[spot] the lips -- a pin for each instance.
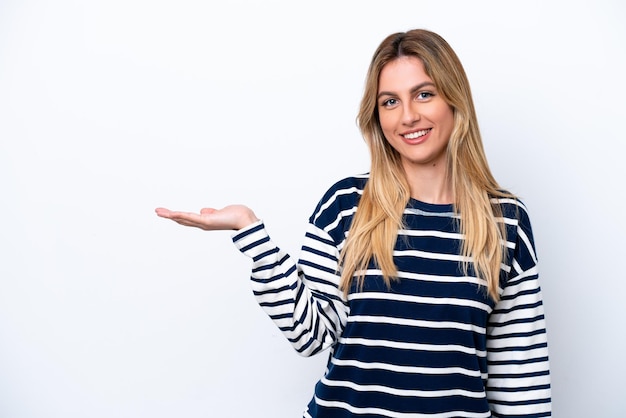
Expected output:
(412, 136)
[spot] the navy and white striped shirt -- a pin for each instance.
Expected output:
(434, 344)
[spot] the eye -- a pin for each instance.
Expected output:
(424, 95)
(389, 103)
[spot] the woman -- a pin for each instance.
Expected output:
(420, 277)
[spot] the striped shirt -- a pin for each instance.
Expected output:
(432, 345)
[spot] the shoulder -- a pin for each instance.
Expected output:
(516, 217)
(346, 186)
(514, 210)
(339, 202)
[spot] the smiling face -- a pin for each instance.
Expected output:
(415, 119)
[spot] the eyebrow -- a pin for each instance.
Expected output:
(413, 90)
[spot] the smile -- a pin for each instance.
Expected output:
(414, 135)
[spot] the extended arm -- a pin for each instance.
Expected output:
(302, 299)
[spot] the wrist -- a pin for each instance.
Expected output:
(247, 220)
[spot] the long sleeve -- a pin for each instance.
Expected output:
(517, 349)
(302, 299)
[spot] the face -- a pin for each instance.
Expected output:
(415, 119)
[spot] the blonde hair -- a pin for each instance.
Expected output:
(379, 215)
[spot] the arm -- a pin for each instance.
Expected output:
(302, 299)
(517, 351)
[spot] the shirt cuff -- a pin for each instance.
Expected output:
(250, 239)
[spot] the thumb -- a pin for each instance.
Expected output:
(207, 211)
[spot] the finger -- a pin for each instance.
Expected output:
(187, 223)
(162, 212)
(189, 219)
(207, 211)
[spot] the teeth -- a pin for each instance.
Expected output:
(416, 134)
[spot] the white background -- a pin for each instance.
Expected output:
(109, 109)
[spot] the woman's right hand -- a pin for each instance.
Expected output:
(232, 217)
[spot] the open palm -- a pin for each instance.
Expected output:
(232, 217)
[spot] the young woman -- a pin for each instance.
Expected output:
(420, 277)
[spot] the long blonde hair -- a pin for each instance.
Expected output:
(379, 216)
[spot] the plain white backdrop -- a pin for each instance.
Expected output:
(109, 109)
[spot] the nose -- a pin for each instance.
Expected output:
(410, 113)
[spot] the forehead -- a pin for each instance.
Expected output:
(403, 73)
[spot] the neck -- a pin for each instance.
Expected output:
(430, 184)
